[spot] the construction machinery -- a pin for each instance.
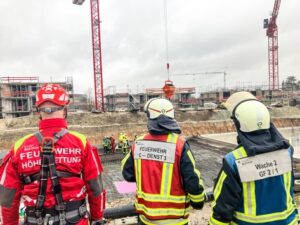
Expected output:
(97, 53)
(205, 73)
(272, 34)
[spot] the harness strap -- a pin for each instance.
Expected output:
(31, 178)
(48, 169)
(75, 211)
(56, 137)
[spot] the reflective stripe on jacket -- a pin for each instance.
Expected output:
(159, 193)
(164, 189)
(267, 201)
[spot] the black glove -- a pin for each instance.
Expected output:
(98, 222)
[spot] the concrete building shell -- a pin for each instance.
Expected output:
(266, 96)
(17, 95)
(183, 98)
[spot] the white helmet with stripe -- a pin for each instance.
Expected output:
(156, 107)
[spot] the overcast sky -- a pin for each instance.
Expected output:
(52, 39)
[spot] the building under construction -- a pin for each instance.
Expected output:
(268, 97)
(183, 98)
(17, 95)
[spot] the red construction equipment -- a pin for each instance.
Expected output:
(168, 89)
(97, 53)
(272, 33)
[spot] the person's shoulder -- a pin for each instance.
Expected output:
(21, 141)
(229, 155)
(79, 136)
(181, 137)
(233, 155)
(76, 133)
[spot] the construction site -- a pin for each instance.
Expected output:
(211, 135)
(107, 111)
(18, 97)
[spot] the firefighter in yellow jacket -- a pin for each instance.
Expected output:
(163, 167)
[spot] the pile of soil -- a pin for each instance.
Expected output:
(96, 126)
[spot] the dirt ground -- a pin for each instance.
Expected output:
(96, 126)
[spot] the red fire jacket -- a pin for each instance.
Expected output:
(73, 154)
(167, 180)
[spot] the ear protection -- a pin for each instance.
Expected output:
(234, 119)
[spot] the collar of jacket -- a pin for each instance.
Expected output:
(262, 141)
(53, 124)
(163, 125)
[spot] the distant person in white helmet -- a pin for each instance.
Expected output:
(255, 184)
(163, 167)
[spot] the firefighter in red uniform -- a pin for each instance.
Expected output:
(52, 171)
(112, 141)
(163, 167)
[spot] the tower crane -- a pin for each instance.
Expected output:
(272, 33)
(205, 73)
(97, 53)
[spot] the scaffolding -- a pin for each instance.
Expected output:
(17, 94)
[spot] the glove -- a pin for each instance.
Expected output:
(98, 222)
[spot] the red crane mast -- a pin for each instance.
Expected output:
(97, 53)
(272, 33)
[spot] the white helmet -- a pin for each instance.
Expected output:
(247, 112)
(159, 106)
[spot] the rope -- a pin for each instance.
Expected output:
(166, 37)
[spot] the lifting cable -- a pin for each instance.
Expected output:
(166, 37)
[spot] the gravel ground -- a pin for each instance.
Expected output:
(208, 162)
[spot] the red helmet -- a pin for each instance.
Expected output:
(52, 93)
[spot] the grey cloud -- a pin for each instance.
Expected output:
(53, 39)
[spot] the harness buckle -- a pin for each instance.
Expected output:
(48, 144)
(46, 219)
(51, 221)
(39, 220)
(60, 207)
(62, 218)
(82, 210)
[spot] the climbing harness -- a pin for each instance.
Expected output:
(64, 212)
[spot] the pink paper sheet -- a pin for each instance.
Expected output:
(124, 187)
